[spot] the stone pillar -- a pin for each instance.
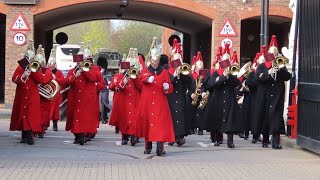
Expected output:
(13, 51)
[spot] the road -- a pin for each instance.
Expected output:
(56, 157)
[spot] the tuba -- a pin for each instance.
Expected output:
(197, 92)
(49, 91)
(245, 70)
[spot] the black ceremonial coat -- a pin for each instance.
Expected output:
(269, 102)
(223, 114)
(177, 100)
(248, 102)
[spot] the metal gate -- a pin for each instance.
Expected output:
(309, 76)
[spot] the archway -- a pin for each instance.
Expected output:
(196, 24)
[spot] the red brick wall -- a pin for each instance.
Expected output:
(13, 51)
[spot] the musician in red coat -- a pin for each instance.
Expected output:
(83, 94)
(56, 101)
(100, 85)
(26, 115)
(155, 122)
(115, 101)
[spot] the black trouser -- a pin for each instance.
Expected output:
(230, 139)
(246, 133)
(265, 138)
(216, 136)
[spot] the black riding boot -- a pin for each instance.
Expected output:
(276, 141)
(230, 140)
(160, 149)
(23, 137)
(81, 138)
(76, 138)
(265, 140)
(55, 125)
(148, 147)
(29, 136)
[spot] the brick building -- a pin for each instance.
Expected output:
(199, 20)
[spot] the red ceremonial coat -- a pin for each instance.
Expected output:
(56, 101)
(83, 94)
(45, 103)
(26, 113)
(130, 95)
(114, 86)
(100, 85)
(155, 122)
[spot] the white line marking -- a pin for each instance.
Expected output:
(202, 144)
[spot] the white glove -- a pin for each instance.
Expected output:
(54, 77)
(26, 73)
(270, 71)
(150, 79)
(165, 86)
(225, 72)
(193, 96)
(203, 95)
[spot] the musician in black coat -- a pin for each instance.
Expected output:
(198, 80)
(177, 100)
(248, 89)
(270, 102)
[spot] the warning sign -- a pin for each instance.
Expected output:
(227, 29)
(20, 24)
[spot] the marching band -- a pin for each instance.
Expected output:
(161, 103)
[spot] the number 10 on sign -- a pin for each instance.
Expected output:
(19, 38)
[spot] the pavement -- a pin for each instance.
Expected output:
(56, 157)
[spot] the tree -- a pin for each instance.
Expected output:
(135, 34)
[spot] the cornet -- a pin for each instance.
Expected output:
(279, 63)
(233, 70)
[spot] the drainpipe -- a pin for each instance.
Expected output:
(262, 24)
(266, 24)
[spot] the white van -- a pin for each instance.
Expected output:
(64, 57)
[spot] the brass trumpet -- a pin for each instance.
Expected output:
(185, 69)
(280, 62)
(86, 65)
(133, 73)
(34, 66)
(49, 91)
(234, 69)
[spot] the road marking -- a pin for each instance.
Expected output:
(202, 144)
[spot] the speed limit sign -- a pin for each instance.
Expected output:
(225, 41)
(19, 38)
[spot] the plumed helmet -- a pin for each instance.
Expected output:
(234, 59)
(262, 53)
(155, 54)
(273, 46)
(39, 56)
(52, 59)
(30, 52)
(199, 62)
(226, 53)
